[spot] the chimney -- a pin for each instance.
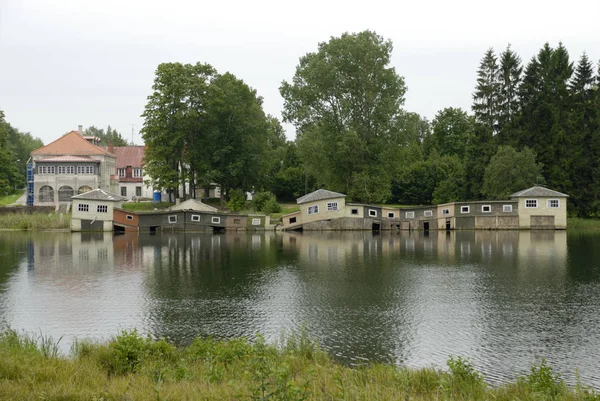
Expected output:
(80, 129)
(111, 148)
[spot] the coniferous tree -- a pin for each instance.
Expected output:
(485, 98)
(508, 99)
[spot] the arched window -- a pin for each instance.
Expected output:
(46, 194)
(65, 193)
(84, 189)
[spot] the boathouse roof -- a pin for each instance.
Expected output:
(100, 194)
(319, 194)
(194, 205)
(538, 191)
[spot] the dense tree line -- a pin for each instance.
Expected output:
(530, 124)
(15, 148)
(107, 136)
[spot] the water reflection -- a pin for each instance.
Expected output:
(502, 298)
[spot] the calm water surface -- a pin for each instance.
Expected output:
(502, 299)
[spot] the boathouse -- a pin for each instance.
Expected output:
(93, 210)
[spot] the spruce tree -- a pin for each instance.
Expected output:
(508, 97)
(485, 98)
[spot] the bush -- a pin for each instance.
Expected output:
(237, 200)
(541, 379)
(271, 206)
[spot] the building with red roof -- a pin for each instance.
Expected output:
(69, 166)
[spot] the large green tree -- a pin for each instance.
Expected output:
(9, 174)
(236, 134)
(487, 90)
(172, 126)
(508, 97)
(345, 101)
(452, 131)
(510, 171)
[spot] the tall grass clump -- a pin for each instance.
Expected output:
(133, 367)
(577, 223)
(37, 221)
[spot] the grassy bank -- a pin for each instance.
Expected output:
(10, 199)
(37, 221)
(146, 206)
(576, 223)
(130, 367)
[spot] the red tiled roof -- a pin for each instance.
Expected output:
(58, 159)
(129, 156)
(71, 143)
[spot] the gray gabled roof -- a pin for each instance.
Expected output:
(100, 194)
(317, 195)
(538, 191)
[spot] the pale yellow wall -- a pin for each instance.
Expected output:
(560, 213)
(441, 218)
(361, 211)
(386, 210)
(92, 214)
(323, 213)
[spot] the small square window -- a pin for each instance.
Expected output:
(486, 209)
(507, 208)
(553, 203)
(196, 217)
(83, 207)
(445, 211)
(409, 215)
(372, 213)
(256, 222)
(332, 206)
(102, 209)
(465, 209)
(129, 217)
(172, 219)
(313, 209)
(391, 215)
(428, 213)
(353, 211)
(215, 220)
(292, 220)
(531, 203)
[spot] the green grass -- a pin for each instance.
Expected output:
(10, 199)
(577, 223)
(285, 209)
(131, 367)
(146, 206)
(37, 221)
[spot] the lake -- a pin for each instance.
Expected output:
(503, 299)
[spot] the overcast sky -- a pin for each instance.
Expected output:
(70, 62)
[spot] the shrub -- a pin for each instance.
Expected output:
(541, 379)
(128, 349)
(260, 199)
(271, 206)
(237, 200)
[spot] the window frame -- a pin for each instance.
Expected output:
(504, 208)
(195, 218)
(549, 202)
(312, 209)
(101, 208)
(294, 220)
(531, 207)
(83, 207)
(172, 219)
(409, 215)
(446, 212)
(215, 220)
(372, 213)
(354, 211)
(463, 211)
(123, 191)
(256, 221)
(121, 170)
(391, 215)
(428, 213)
(137, 173)
(486, 211)
(138, 190)
(332, 206)
(128, 217)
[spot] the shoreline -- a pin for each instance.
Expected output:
(294, 369)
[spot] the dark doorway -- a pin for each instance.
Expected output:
(376, 226)
(153, 229)
(448, 226)
(118, 229)
(426, 225)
